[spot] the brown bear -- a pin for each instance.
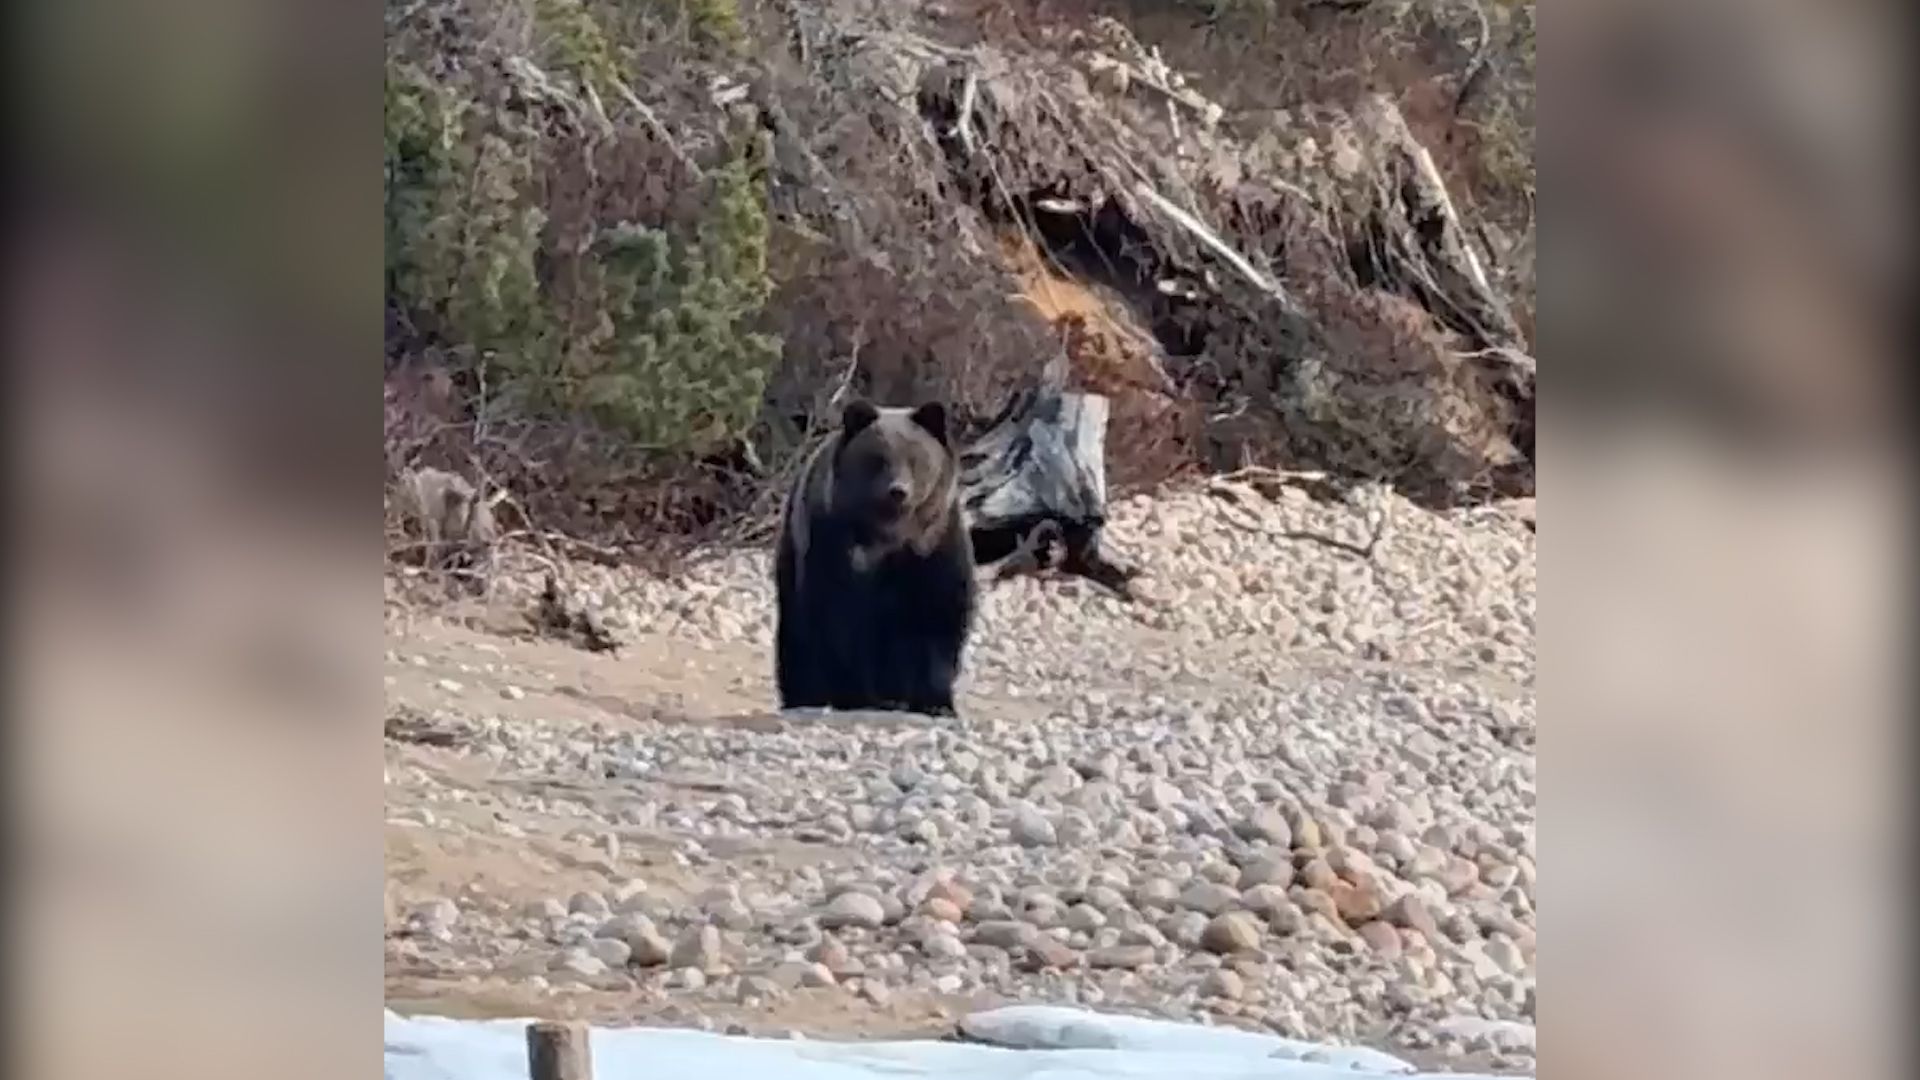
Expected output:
(874, 568)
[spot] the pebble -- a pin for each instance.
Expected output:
(1161, 795)
(943, 947)
(1120, 956)
(1045, 952)
(1318, 874)
(439, 911)
(940, 909)
(1186, 928)
(1266, 825)
(1356, 903)
(1002, 934)
(689, 978)
(579, 963)
(697, 947)
(648, 948)
(1411, 913)
(1209, 898)
(1506, 955)
(1268, 870)
(612, 952)
(1084, 918)
(1157, 893)
(1032, 829)
(1381, 938)
(588, 903)
(1266, 899)
(1223, 983)
(833, 953)
(853, 909)
(1306, 834)
(1233, 931)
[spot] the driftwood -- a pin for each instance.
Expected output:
(1034, 488)
(557, 616)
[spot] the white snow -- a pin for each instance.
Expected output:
(1033, 1043)
(1051, 1027)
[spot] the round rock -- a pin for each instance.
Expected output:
(1231, 932)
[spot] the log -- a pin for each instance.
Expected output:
(558, 1050)
(1034, 488)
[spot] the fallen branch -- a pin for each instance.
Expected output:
(652, 120)
(1319, 485)
(1418, 240)
(1219, 247)
(555, 615)
(1348, 546)
(1375, 532)
(1477, 65)
(548, 541)
(1132, 75)
(963, 127)
(1513, 358)
(1430, 174)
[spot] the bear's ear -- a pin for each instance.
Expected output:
(857, 415)
(933, 418)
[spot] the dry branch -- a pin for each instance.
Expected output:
(963, 127)
(1212, 240)
(1127, 75)
(1426, 247)
(556, 615)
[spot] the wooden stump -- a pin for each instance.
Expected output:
(1034, 487)
(558, 1050)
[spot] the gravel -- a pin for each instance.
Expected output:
(1289, 786)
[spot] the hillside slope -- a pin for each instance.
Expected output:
(635, 248)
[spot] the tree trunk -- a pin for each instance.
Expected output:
(1034, 488)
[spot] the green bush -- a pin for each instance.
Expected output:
(654, 334)
(461, 238)
(716, 23)
(577, 40)
(681, 367)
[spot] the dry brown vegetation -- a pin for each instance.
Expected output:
(634, 249)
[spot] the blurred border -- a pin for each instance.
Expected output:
(1726, 537)
(196, 300)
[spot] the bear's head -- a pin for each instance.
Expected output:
(895, 471)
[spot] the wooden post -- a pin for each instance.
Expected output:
(558, 1050)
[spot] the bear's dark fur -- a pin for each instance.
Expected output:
(874, 568)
